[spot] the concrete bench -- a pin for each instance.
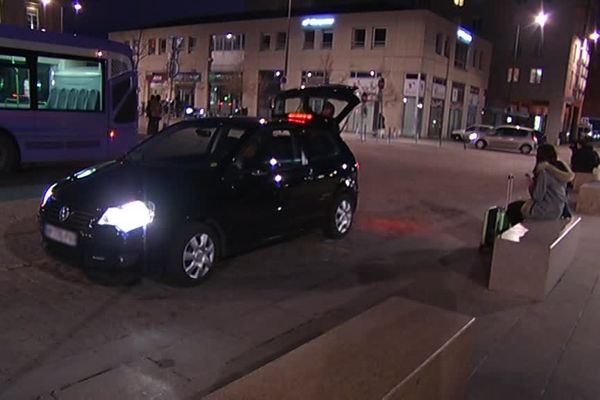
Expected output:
(580, 179)
(588, 200)
(530, 258)
(396, 350)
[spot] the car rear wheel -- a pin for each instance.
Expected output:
(194, 254)
(481, 144)
(9, 155)
(340, 217)
(526, 149)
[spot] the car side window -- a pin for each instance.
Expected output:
(319, 144)
(271, 148)
(504, 132)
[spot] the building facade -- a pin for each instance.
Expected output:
(539, 74)
(32, 14)
(228, 66)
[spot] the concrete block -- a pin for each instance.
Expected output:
(588, 201)
(530, 264)
(582, 178)
(396, 350)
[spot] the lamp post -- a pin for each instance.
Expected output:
(287, 45)
(541, 19)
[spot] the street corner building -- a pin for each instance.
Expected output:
(417, 72)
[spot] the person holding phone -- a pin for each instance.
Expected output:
(547, 189)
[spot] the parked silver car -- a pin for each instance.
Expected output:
(462, 135)
(508, 137)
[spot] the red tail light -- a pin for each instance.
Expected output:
(300, 118)
(535, 139)
(112, 135)
(357, 165)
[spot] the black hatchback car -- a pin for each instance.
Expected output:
(202, 190)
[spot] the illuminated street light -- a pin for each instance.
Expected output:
(46, 2)
(541, 19)
(229, 36)
(77, 7)
(594, 36)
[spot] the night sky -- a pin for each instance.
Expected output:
(102, 16)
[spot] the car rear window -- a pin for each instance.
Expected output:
(319, 144)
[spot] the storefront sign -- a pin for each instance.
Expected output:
(464, 35)
(438, 91)
(410, 87)
(188, 77)
(156, 77)
(318, 22)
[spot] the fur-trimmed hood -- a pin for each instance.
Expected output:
(564, 176)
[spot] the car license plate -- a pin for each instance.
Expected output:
(60, 235)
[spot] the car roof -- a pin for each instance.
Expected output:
(251, 122)
(518, 127)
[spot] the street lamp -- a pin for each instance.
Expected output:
(541, 19)
(77, 7)
(594, 36)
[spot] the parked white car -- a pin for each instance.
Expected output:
(462, 135)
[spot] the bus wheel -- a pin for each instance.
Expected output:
(9, 155)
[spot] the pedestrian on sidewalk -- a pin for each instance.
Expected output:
(148, 112)
(547, 189)
(155, 114)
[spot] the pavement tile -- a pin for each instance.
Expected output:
(138, 380)
(577, 376)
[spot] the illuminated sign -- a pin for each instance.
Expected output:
(318, 22)
(464, 35)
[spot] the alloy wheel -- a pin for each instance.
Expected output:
(198, 256)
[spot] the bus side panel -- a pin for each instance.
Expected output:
(21, 125)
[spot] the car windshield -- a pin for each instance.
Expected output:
(187, 143)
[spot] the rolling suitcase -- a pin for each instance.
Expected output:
(495, 220)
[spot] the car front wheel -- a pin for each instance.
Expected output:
(480, 144)
(340, 217)
(193, 256)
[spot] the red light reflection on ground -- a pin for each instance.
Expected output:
(389, 226)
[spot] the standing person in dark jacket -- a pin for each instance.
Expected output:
(585, 158)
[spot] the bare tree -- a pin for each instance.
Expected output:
(326, 66)
(139, 47)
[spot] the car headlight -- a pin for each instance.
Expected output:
(472, 136)
(47, 194)
(128, 217)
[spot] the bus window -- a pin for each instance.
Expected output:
(69, 84)
(14, 82)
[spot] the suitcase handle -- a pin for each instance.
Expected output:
(509, 189)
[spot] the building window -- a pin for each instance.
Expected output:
(477, 24)
(461, 55)
(359, 37)
(33, 15)
(481, 60)
(439, 44)
(314, 78)
(535, 76)
(281, 41)
(447, 46)
(513, 75)
(192, 44)
(151, 47)
(229, 42)
(379, 37)
(327, 40)
(475, 58)
(459, 3)
(265, 41)
(162, 46)
(309, 39)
